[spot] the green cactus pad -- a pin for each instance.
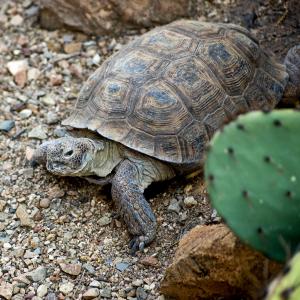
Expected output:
(253, 177)
(287, 285)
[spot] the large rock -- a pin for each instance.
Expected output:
(111, 16)
(211, 262)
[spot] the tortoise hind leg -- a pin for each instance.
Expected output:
(128, 185)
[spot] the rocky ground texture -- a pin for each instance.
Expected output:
(59, 237)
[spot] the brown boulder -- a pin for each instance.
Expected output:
(211, 263)
(111, 16)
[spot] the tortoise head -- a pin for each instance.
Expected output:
(68, 156)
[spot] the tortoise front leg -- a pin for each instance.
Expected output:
(127, 193)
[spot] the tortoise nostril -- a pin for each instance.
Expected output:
(68, 153)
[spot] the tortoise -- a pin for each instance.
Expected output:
(148, 111)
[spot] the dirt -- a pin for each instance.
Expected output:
(68, 213)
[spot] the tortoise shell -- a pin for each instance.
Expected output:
(169, 90)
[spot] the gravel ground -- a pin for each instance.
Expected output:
(59, 237)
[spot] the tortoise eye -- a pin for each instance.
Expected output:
(69, 153)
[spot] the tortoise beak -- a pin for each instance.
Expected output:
(40, 155)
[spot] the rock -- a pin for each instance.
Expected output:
(137, 282)
(29, 152)
(96, 59)
(174, 206)
(56, 79)
(72, 269)
(89, 268)
(91, 293)
(51, 296)
(52, 118)
(33, 74)
(105, 220)
(111, 16)
(149, 261)
(105, 293)
(16, 66)
(24, 216)
(7, 125)
(72, 47)
(141, 294)
(16, 20)
(42, 290)
(122, 266)
(211, 262)
(37, 132)
(2, 205)
(66, 288)
(6, 290)
(45, 203)
(21, 78)
(25, 113)
(190, 201)
(37, 275)
(48, 100)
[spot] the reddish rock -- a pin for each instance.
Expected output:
(111, 16)
(21, 78)
(211, 263)
(150, 261)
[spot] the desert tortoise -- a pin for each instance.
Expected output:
(154, 105)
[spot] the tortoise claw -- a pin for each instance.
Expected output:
(137, 244)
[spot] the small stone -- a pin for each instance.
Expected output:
(72, 47)
(66, 288)
(21, 78)
(122, 266)
(89, 268)
(51, 118)
(96, 284)
(59, 132)
(174, 206)
(3, 216)
(24, 216)
(56, 192)
(37, 132)
(72, 269)
(188, 188)
(7, 125)
(6, 290)
(6, 245)
(150, 261)
(51, 296)
(33, 74)
(42, 290)
(56, 79)
(25, 113)
(48, 100)
(105, 220)
(16, 20)
(106, 292)
(190, 201)
(45, 203)
(2, 205)
(96, 59)
(141, 294)
(37, 275)
(91, 293)
(137, 282)
(16, 66)
(29, 153)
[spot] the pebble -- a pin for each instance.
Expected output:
(137, 282)
(16, 20)
(91, 293)
(24, 216)
(106, 292)
(56, 79)
(6, 290)
(96, 59)
(72, 269)
(51, 296)
(66, 288)
(42, 290)
(33, 74)
(105, 220)
(48, 100)
(7, 125)
(96, 284)
(89, 268)
(37, 275)
(25, 113)
(52, 118)
(2, 205)
(190, 201)
(150, 261)
(29, 152)
(141, 294)
(16, 66)
(38, 132)
(122, 266)
(21, 78)
(45, 203)
(174, 206)
(72, 47)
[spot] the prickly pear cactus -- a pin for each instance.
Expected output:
(253, 176)
(287, 285)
